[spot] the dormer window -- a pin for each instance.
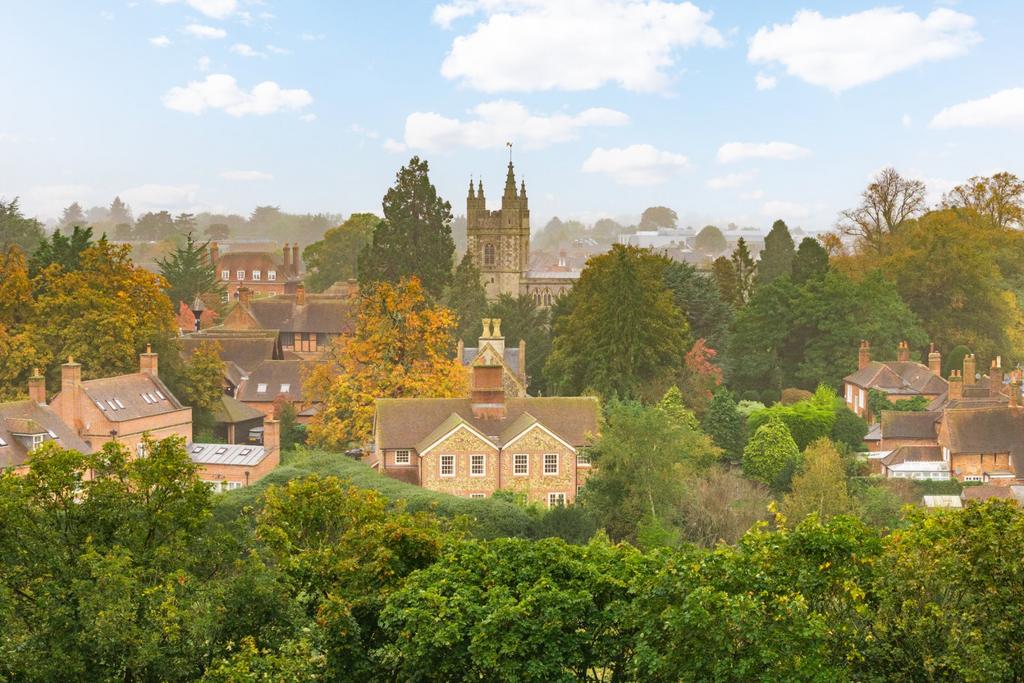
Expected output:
(256, 275)
(2, 442)
(261, 388)
(225, 275)
(285, 388)
(162, 397)
(240, 275)
(272, 275)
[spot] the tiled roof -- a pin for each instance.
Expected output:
(403, 423)
(898, 378)
(511, 357)
(276, 377)
(248, 261)
(129, 397)
(909, 425)
(233, 411)
(16, 416)
(987, 430)
(986, 491)
(243, 455)
(321, 313)
(913, 454)
(244, 350)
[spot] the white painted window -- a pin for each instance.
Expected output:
(261, 388)
(863, 399)
(240, 275)
(520, 464)
(285, 388)
(477, 496)
(551, 463)
(402, 457)
(256, 275)
(225, 275)
(849, 393)
(476, 466)
(447, 465)
(583, 460)
(37, 440)
(232, 485)
(140, 450)
(272, 275)
(556, 498)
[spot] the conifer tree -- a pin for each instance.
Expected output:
(190, 273)
(72, 216)
(811, 261)
(119, 212)
(744, 268)
(777, 256)
(466, 297)
(771, 455)
(724, 424)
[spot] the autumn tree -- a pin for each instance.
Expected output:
(700, 376)
(999, 198)
(16, 228)
(401, 349)
(819, 488)
(625, 336)
(466, 297)
(191, 273)
(20, 350)
(335, 257)
(889, 201)
(415, 236)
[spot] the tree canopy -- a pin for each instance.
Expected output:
(778, 254)
(191, 273)
(335, 257)
(658, 217)
(17, 229)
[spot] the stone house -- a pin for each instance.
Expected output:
(492, 351)
(487, 442)
(898, 380)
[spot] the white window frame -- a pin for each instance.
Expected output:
(556, 498)
(441, 460)
(515, 465)
(261, 388)
(140, 450)
(225, 275)
(256, 274)
(286, 388)
(973, 477)
(557, 465)
(37, 441)
(473, 464)
(272, 275)
(478, 496)
(403, 456)
(582, 459)
(240, 275)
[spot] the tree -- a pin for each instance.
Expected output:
(724, 424)
(999, 198)
(466, 297)
(655, 217)
(19, 348)
(778, 254)
(720, 506)
(522, 319)
(203, 385)
(820, 487)
(415, 236)
(700, 376)
(222, 231)
(119, 213)
(811, 261)
(184, 223)
(724, 273)
(15, 228)
(335, 258)
(710, 240)
(699, 298)
(401, 348)
(606, 231)
(191, 273)
(886, 205)
(642, 459)
(625, 336)
(744, 267)
(155, 226)
(72, 217)
(63, 251)
(771, 455)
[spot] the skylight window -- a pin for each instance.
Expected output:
(221, 450)
(53, 434)
(100, 406)
(111, 404)
(118, 402)
(2, 442)
(261, 388)
(285, 388)
(162, 397)
(145, 398)
(245, 451)
(152, 398)
(197, 449)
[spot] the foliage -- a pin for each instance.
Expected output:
(771, 454)
(655, 217)
(810, 262)
(725, 425)
(203, 382)
(701, 301)
(819, 488)
(999, 198)
(624, 336)
(720, 506)
(292, 432)
(778, 254)
(710, 240)
(747, 407)
(415, 237)
(155, 226)
(72, 217)
(849, 428)
(16, 229)
(724, 273)
(466, 297)
(808, 420)
(335, 257)
(700, 376)
(522, 319)
(401, 348)
(744, 268)
(879, 401)
(191, 273)
(62, 250)
(889, 201)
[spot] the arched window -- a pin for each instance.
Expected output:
(488, 254)
(547, 298)
(536, 298)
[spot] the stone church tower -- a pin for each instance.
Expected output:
(499, 241)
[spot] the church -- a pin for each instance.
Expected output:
(499, 243)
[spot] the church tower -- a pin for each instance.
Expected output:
(499, 241)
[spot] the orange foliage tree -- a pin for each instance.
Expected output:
(402, 348)
(19, 347)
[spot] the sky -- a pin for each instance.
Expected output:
(741, 111)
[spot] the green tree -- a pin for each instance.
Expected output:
(811, 261)
(466, 297)
(190, 273)
(415, 237)
(820, 487)
(771, 455)
(710, 240)
(72, 217)
(778, 254)
(724, 273)
(335, 258)
(606, 231)
(745, 268)
(222, 231)
(625, 336)
(698, 297)
(15, 228)
(655, 217)
(155, 226)
(522, 319)
(203, 385)
(724, 424)
(119, 213)
(62, 250)
(184, 223)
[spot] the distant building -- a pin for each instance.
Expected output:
(259, 271)
(899, 379)
(26, 425)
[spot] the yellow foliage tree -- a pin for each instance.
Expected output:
(19, 348)
(402, 348)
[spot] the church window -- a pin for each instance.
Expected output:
(488, 254)
(547, 298)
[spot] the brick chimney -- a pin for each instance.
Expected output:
(995, 376)
(956, 386)
(970, 369)
(296, 260)
(214, 255)
(244, 296)
(903, 352)
(272, 439)
(148, 362)
(935, 360)
(864, 355)
(70, 388)
(300, 294)
(37, 388)
(460, 348)
(286, 268)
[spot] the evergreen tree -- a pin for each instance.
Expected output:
(811, 261)
(744, 267)
(72, 217)
(415, 237)
(202, 384)
(771, 455)
(724, 273)
(335, 257)
(466, 297)
(15, 228)
(184, 223)
(154, 226)
(698, 297)
(777, 256)
(724, 424)
(65, 251)
(190, 273)
(119, 212)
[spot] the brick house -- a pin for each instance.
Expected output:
(492, 351)
(240, 350)
(274, 379)
(898, 380)
(488, 442)
(26, 425)
(259, 271)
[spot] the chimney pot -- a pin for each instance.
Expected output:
(37, 388)
(934, 360)
(148, 362)
(864, 355)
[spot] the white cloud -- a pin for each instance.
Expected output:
(278, 50)
(738, 151)
(308, 118)
(730, 181)
(529, 45)
(635, 165)
(153, 197)
(246, 175)
(364, 132)
(221, 91)
(494, 123)
(394, 146)
(245, 50)
(753, 194)
(1003, 109)
(310, 37)
(215, 9)
(49, 200)
(203, 31)
(764, 82)
(843, 52)
(160, 41)
(203, 64)
(781, 209)
(906, 120)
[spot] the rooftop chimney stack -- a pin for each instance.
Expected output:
(286, 255)
(296, 260)
(864, 355)
(935, 361)
(492, 335)
(903, 352)
(970, 369)
(272, 440)
(300, 294)
(522, 361)
(244, 296)
(214, 254)
(70, 385)
(37, 388)
(148, 364)
(956, 386)
(995, 376)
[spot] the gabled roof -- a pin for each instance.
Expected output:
(277, 377)
(511, 357)
(327, 314)
(986, 430)
(243, 455)
(909, 425)
(905, 454)
(248, 260)
(244, 350)
(29, 415)
(451, 424)
(898, 378)
(232, 411)
(129, 397)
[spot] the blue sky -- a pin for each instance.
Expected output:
(725, 111)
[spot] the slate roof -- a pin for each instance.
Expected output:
(987, 430)
(16, 416)
(898, 378)
(129, 397)
(909, 425)
(404, 423)
(986, 491)
(243, 455)
(511, 354)
(248, 261)
(274, 374)
(328, 314)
